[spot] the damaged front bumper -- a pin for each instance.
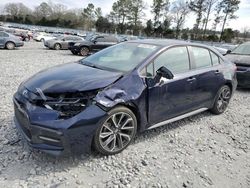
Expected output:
(43, 130)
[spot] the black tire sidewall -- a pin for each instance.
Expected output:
(96, 142)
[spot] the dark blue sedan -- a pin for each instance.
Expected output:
(106, 98)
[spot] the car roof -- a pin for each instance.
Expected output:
(167, 42)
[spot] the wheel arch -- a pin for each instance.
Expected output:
(131, 106)
(230, 85)
(8, 42)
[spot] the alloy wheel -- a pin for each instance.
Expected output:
(57, 46)
(84, 51)
(223, 99)
(10, 45)
(117, 132)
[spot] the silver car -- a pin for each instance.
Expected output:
(9, 41)
(62, 42)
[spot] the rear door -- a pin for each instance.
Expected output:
(208, 73)
(171, 97)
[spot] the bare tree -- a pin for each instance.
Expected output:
(43, 10)
(209, 8)
(246, 33)
(179, 12)
(229, 7)
(198, 7)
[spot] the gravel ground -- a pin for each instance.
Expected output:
(200, 151)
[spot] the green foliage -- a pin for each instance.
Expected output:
(227, 35)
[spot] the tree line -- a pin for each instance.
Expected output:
(128, 17)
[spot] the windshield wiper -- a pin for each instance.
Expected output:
(91, 65)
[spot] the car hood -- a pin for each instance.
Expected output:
(71, 77)
(239, 59)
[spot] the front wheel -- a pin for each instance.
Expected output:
(116, 132)
(222, 100)
(57, 46)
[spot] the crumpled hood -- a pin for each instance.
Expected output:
(71, 77)
(238, 59)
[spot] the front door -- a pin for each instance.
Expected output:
(170, 98)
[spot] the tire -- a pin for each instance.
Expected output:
(116, 131)
(73, 52)
(221, 100)
(10, 45)
(57, 46)
(84, 51)
(42, 40)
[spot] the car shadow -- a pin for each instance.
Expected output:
(244, 90)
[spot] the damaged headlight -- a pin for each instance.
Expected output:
(68, 106)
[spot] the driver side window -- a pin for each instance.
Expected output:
(175, 59)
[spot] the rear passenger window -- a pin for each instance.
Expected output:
(175, 59)
(201, 57)
(215, 58)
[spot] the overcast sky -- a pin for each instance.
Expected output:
(243, 13)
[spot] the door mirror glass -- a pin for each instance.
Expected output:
(164, 72)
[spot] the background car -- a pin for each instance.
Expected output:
(62, 42)
(104, 99)
(9, 41)
(241, 57)
(93, 44)
(41, 37)
(23, 36)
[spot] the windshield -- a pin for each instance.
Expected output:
(123, 57)
(243, 49)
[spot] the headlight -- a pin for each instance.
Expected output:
(77, 44)
(67, 107)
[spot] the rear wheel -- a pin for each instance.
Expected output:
(84, 51)
(116, 132)
(10, 45)
(222, 100)
(57, 46)
(42, 40)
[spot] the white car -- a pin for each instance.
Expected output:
(41, 37)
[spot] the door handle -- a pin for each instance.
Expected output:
(191, 79)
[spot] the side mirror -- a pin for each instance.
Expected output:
(229, 51)
(164, 72)
(63, 39)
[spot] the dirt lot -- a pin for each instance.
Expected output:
(200, 151)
